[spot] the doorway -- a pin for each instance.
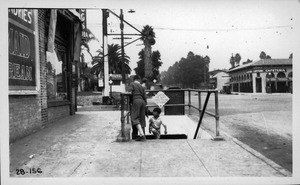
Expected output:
(258, 84)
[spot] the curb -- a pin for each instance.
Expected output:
(269, 162)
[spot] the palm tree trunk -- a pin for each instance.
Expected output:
(148, 61)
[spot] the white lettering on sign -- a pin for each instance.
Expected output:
(275, 70)
(258, 70)
(160, 99)
(19, 44)
(20, 72)
(24, 14)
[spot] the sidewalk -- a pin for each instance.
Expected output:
(84, 145)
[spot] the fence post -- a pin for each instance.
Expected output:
(199, 102)
(128, 108)
(217, 113)
(189, 90)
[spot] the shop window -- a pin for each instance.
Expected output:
(281, 75)
(270, 75)
(56, 75)
(116, 82)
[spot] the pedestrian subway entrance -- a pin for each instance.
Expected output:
(169, 136)
(175, 114)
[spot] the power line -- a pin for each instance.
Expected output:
(225, 29)
(208, 30)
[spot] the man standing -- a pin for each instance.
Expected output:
(139, 102)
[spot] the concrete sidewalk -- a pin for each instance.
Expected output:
(84, 145)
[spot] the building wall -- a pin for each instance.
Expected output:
(239, 77)
(28, 113)
(87, 100)
(59, 112)
(24, 115)
(222, 78)
(43, 70)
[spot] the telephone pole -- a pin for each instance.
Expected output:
(105, 52)
(122, 46)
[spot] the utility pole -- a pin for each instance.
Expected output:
(105, 52)
(122, 46)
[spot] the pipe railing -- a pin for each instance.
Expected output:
(202, 110)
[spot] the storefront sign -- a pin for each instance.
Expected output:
(84, 32)
(258, 70)
(21, 44)
(268, 70)
(275, 70)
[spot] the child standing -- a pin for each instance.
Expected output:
(155, 123)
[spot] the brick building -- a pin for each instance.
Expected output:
(44, 48)
(263, 76)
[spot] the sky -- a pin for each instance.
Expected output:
(214, 28)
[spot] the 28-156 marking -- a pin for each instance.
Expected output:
(29, 171)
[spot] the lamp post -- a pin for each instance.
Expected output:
(269, 75)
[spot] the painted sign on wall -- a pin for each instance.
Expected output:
(21, 46)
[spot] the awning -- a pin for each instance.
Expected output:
(244, 81)
(278, 79)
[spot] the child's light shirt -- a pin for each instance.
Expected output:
(155, 123)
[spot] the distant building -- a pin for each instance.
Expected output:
(218, 79)
(263, 76)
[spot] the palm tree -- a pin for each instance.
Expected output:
(232, 61)
(114, 61)
(262, 55)
(148, 40)
(82, 66)
(237, 59)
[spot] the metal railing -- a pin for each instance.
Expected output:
(125, 107)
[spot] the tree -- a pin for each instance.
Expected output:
(82, 66)
(263, 55)
(232, 61)
(114, 61)
(147, 37)
(85, 42)
(140, 69)
(156, 63)
(206, 68)
(248, 61)
(291, 56)
(188, 72)
(237, 59)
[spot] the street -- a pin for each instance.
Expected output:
(261, 121)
